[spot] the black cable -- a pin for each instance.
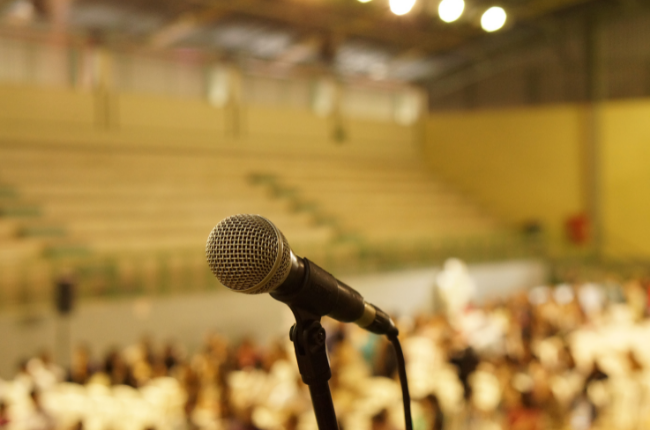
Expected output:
(401, 369)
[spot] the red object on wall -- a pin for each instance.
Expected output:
(577, 229)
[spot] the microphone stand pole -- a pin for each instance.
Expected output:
(308, 337)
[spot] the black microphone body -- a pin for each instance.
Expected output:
(248, 254)
(315, 290)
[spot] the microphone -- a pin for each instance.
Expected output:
(248, 254)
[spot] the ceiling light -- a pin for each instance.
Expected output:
(450, 10)
(401, 7)
(493, 19)
(364, 1)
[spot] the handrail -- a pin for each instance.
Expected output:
(162, 273)
(174, 272)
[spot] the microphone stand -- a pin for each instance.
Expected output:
(308, 337)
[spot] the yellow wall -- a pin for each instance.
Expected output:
(625, 185)
(524, 164)
(529, 163)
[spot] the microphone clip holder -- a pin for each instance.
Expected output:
(308, 337)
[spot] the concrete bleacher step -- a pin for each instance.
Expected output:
(196, 233)
(9, 229)
(116, 200)
(372, 184)
(42, 230)
(394, 219)
(434, 227)
(117, 215)
(67, 250)
(19, 210)
(75, 191)
(24, 249)
(386, 206)
(382, 203)
(380, 238)
(7, 192)
(17, 250)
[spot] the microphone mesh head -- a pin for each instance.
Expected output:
(248, 254)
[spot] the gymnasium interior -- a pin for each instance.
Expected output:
(478, 169)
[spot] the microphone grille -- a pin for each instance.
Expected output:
(248, 254)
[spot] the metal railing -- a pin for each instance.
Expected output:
(163, 273)
(109, 276)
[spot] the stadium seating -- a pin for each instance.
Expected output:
(381, 201)
(124, 200)
(143, 183)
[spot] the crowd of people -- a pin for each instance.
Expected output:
(564, 357)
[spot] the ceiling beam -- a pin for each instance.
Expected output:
(301, 51)
(376, 23)
(537, 8)
(354, 20)
(183, 27)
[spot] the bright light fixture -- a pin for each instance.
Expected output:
(364, 1)
(401, 7)
(450, 10)
(493, 19)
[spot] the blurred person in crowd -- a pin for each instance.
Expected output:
(247, 355)
(583, 412)
(190, 407)
(645, 283)
(380, 421)
(225, 410)
(525, 415)
(23, 378)
(191, 383)
(147, 350)
(456, 288)
(385, 363)
(81, 368)
(45, 373)
(117, 370)
(141, 360)
(635, 296)
(111, 361)
(158, 367)
(274, 352)
(626, 391)
(292, 421)
(170, 356)
(596, 374)
(4, 416)
(592, 300)
(466, 361)
(336, 335)
(243, 420)
(432, 413)
(38, 418)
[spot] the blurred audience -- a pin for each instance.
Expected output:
(566, 357)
